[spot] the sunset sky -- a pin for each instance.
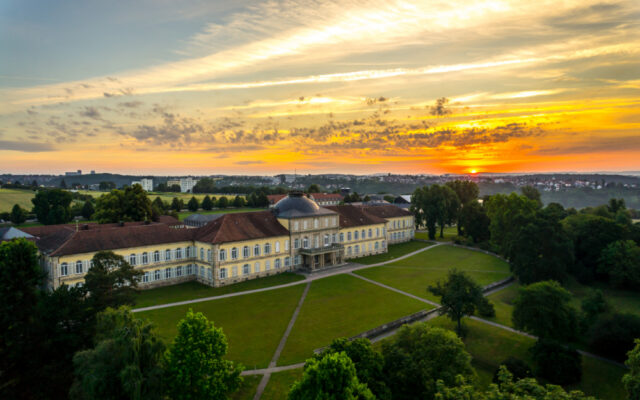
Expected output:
(242, 87)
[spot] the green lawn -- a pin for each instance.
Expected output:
(623, 301)
(253, 323)
(280, 384)
(342, 306)
(9, 197)
(195, 290)
(394, 251)
(503, 304)
(449, 233)
(416, 273)
(247, 388)
(489, 346)
(185, 214)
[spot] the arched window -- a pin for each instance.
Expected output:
(277, 247)
(357, 250)
(202, 272)
(223, 273)
(167, 273)
(370, 232)
(156, 256)
(187, 251)
(156, 275)
(178, 271)
(78, 267)
(167, 255)
(267, 248)
(377, 232)
(222, 255)
(256, 250)
(245, 252)
(234, 253)
(178, 253)
(246, 269)
(364, 234)
(132, 259)
(256, 267)
(145, 258)
(348, 236)
(276, 263)
(377, 245)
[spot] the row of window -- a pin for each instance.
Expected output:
(246, 269)
(355, 250)
(405, 223)
(316, 223)
(256, 251)
(176, 272)
(398, 235)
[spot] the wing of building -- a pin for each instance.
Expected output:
(296, 234)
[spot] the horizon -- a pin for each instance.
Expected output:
(268, 88)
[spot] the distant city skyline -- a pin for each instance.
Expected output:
(362, 87)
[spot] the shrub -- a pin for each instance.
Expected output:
(613, 335)
(556, 363)
(518, 368)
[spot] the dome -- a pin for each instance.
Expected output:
(298, 205)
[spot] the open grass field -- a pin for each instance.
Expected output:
(342, 306)
(394, 251)
(449, 233)
(185, 214)
(247, 388)
(9, 197)
(280, 383)
(623, 301)
(503, 304)
(489, 346)
(416, 273)
(195, 290)
(253, 323)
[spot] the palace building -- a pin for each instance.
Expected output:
(222, 249)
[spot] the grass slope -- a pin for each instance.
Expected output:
(195, 290)
(9, 197)
(449, 233)
(253, 323)
(342, 306)
(394, 251)
(280, 384)
(416, 273)
(247, 389)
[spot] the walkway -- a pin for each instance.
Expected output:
(309, 278)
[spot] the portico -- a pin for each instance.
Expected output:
(327, 256)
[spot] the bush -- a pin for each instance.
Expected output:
(612, 335)
(486, 309)
(518, 368)
(556, 363)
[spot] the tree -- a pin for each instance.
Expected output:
(87, 209)
(613, 335)
(531, 193)
(63, 184)
(369, 363)
(474, 222)
(331, 377)
(159, 204)
(195, 364)
(18, 214)
(518, 368)
(52, 206)
(204, 185)
(467, 192)
(459, 295)
(262, 200)
(616, 205)
(593, 305)
(106, 185)
(177, 204)
(507, 214)
(238, 202)
(111, 281)
(126, 362)
(556, 363)
(420, 355)
(313, 188)
(207, 203)
(620, 260)
(130, 204)
(223, 202)
(433, 205)
(193, 204)
(543, 309)
(631, 380)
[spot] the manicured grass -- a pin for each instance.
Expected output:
(623, 301)
(253, 323)
(416, 273)
(185, 214)
(394, 251)
(247, 389)
(503, 304)
(9, 197)
(449, 233)
(489, 346)
(342, 306)
(195, 290)
(280, 384)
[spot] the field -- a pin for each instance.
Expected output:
(185, 214)
(449, 233)
(342, 306)
(416, 273)
(194, 290)
(394, 251)
(253, 323)
(280, 383)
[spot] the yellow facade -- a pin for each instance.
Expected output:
(363, 240)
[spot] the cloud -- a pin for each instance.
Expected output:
(440, 108)
(249, 162)
(90, 112)
(594, 145)
(29, 147)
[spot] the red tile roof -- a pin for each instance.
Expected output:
(386, 211)
(351, 216)
(241, 226)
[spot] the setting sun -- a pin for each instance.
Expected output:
(473, 171)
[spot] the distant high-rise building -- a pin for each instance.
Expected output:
(93, 172)
(146, 183)
(79, 172)
(186, 184)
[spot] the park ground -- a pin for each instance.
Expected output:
(345, 304)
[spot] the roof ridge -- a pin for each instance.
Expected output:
(73, 234)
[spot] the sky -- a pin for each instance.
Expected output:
(348, 86)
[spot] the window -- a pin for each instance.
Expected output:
(277, 247)
(189, 269)
(286, 245)
(326, 240)
(256, 250)
(296, 226)
(316, 242)
(223, 273)
(276, 263)
(245, 252)
(298, 260)
(287, 261)
(132, 259)
(267, 265)
(64, 269)
(178, 253)
(341, 237)
(348, 236)
(78, 267)
(377, 246)
(156, 256)
(267, 248)
(167, 273)
(326, 222)
(335, 221)
(333, 238)
(201, 253)
(145, 277)
(246, 270)
(369, 246)
(377, 232)
(355, 235)
(222, 255)
(357, 250)
(234, 253)
(349, 250)
(209, 274)
(234, 271)
(304, 224)
(187, 252)
(209, 255)
(202, 272)
(296, 243)
(145, 258)
(370, 232)
(384, 244)
(256, 267)
(156, 275)
(364, 234)
(315, 223)
(167, 255)
(178, 271)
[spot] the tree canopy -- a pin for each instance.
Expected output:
(52, 206)
(111, 281)
(631, 380)
(193, 204)
(620, 261)
(18, 214)
(207, 203)
(433, 205)
(130, 204)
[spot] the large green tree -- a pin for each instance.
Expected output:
(87, 210)
(195, 364)
(474, 222)
(433, 205)
(204, 185)
(18, 214)
(631, 380)
(52, 206)
(459, 295)
(419, 356)
(111, 281)
(507, 213)
(331, 377)
(531, 193)
(207, 203)
(193, 204)
(543, 309)
(130, 204)
(620, 260)
(125, 363)
(467, 192)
